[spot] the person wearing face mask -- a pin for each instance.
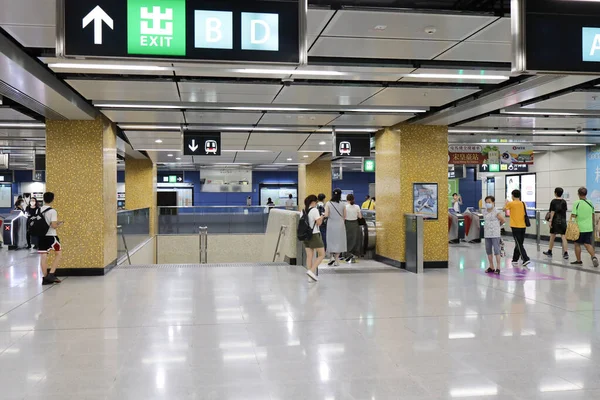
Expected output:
(493, 221)
(32, 210)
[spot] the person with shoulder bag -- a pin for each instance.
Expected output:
(519, 221)
(557, 217)
(313, 243)
(583, 213)
(335, 213)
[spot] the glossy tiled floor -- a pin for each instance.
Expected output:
(265, 333)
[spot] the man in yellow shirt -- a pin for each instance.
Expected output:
(369, 203)
(518, 226)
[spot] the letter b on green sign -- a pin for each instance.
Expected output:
(156, 27)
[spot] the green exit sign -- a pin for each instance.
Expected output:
(494, 167)
(369, 166)
(172, 179)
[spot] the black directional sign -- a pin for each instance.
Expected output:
(220, 30)
(353, 145)
(200, 143)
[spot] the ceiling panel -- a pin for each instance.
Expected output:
(479, 51)
(25, 133)
(228, 92)
(533, 122)
(234, 140)
(28, 12)
(379, 48)
(314, 143)
(499, 31)
(256, 158)
(32, 35)
(277, 139)
(401, 97)
(296, 119)
(175, 117)
(8, 114)
(316, 20)
(221, 118)
(571, 101)
(208, 160)
(375, 24)
(362, 73)
(126, 90)
(326, 95)
(370, 120)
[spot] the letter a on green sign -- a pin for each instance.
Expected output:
(156, 27)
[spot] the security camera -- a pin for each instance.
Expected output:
(287, 81)
(579, 129)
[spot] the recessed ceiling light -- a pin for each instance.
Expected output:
(178, 158)
(110, 67)
(158, 141)
(380, 27)
(458, 76)
(289, 159)
(169, 155)
(322, 143)
(305, 156)
(289, 72)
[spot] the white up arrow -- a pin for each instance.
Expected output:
(98, 15)
(193, 147)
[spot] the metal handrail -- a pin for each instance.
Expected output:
(282, 231)
(133, 209)
(241, 206)
(203, 244)
(120, 228)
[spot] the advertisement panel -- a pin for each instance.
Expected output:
(491, 155)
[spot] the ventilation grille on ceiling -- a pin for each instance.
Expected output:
(21, 98)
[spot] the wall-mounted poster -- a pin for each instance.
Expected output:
(425, 200)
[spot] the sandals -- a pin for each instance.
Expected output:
(497, 271)
(489, 271)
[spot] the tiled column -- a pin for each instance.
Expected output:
(140, 187)
(411, 154)
(81, 169)
(314, 178)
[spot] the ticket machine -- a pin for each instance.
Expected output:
(474, 225)
(14, 230)
(456, 226)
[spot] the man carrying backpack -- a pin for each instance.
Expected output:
(44, 226)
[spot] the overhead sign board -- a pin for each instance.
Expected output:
(556, 36)
(216, 30)
(491, 154)
(170, 177)
(200, 143)
(353, 145)
(504, 168)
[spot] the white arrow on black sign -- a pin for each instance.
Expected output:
(179, 179)
(193, 147)
(98, 15)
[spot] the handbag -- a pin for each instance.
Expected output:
(362, 221)
(527, 221)
(572, 233)
(548, 215)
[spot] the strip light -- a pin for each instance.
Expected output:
(116, 67)
(559, 113)
(30, 125)
(458, 76)
(306, 72)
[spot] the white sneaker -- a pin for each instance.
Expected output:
(312, 276)
(515, 263)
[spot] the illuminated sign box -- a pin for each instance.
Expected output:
(229, 30)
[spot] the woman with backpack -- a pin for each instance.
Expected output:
(335, 212)
(315, 243)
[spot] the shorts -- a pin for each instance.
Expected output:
(558, 228)
(315, 242)
(492, 244)
(47, 243)
(585, 238)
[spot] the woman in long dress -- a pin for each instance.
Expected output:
(335, 212)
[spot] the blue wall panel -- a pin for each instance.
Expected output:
(357, 181)
(470, 190)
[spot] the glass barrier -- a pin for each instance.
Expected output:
(134, 229)
(218, 219)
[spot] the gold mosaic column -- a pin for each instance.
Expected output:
(314, 178)
(140, 187)
(81, 170)
(408, 154)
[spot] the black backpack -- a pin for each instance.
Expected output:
(305, 231)
(38, 225)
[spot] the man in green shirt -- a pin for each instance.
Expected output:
(583, 212)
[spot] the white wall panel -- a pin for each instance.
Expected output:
(379, 48)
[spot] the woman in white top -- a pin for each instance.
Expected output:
(493, 221)
(315, 243)
(352, 229)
